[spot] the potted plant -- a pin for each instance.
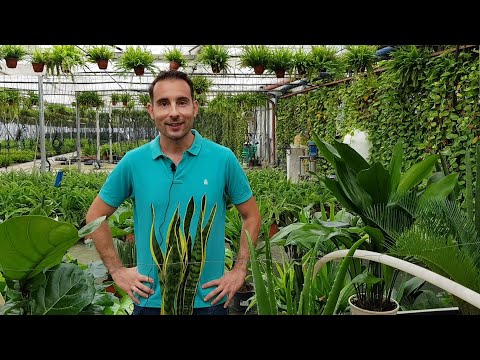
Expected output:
(201, 84)
(12, 53)
(100, 54)
(324, 60)
(138, 59)
(176, 58)
(360, 58)
(63, 58)
(89, 99)
(302, 61)
(39, 58)
(280, 61)
(256, 57)
(385, 208)
(115, 97)
(216, 56)
(144, 99)
(181, 260)
(125, 98)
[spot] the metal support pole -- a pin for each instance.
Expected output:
(43, 153)
(98, 135)
(79, 146)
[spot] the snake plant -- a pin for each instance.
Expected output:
(181, 264)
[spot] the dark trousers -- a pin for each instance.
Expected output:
(211, 310)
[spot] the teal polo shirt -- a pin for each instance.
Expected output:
(145, 175)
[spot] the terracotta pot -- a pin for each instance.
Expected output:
(355, 310)
(174, 65)
(280, 73)
(38, 67)
(102, 64)
(11, 62)
(259, 69)
(114, 103)
(215, 69)
(273, 229)
(139, 70)
(130, 238)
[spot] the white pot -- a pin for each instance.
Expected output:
(355, 310)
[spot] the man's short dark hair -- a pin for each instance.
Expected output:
(171, 74)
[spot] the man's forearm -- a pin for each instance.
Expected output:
(243, 256)
(102, 238)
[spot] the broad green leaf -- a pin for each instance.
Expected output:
(416, 173)
(441, 188)
(395, 168)
(376, 182)
(66, 291)
(350, 157)
(350, 186)
(327, 150)
(32, 243)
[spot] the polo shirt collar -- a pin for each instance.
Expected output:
(194, 149)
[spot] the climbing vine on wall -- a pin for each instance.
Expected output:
(431, 103)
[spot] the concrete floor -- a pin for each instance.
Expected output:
(84, 253)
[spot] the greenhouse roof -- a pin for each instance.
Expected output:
(62, 88)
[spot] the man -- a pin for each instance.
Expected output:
(164, 174)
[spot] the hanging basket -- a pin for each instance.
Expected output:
(174, 65)
(38, 67)
(259, 69)
(139, 70)
(280, 73)
(11, 62)
(102, 64)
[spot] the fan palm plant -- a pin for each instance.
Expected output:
(386, 201)
(446, 238)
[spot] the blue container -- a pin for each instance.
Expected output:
(59, 178)
(312, 149)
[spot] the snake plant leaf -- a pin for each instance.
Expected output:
(172, 266)
(188, 219)
(66, 291)
(32, 243)
(154, 246)
(198, 256)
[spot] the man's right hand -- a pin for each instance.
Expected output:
(130, 281)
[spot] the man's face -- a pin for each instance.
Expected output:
(173, 109)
